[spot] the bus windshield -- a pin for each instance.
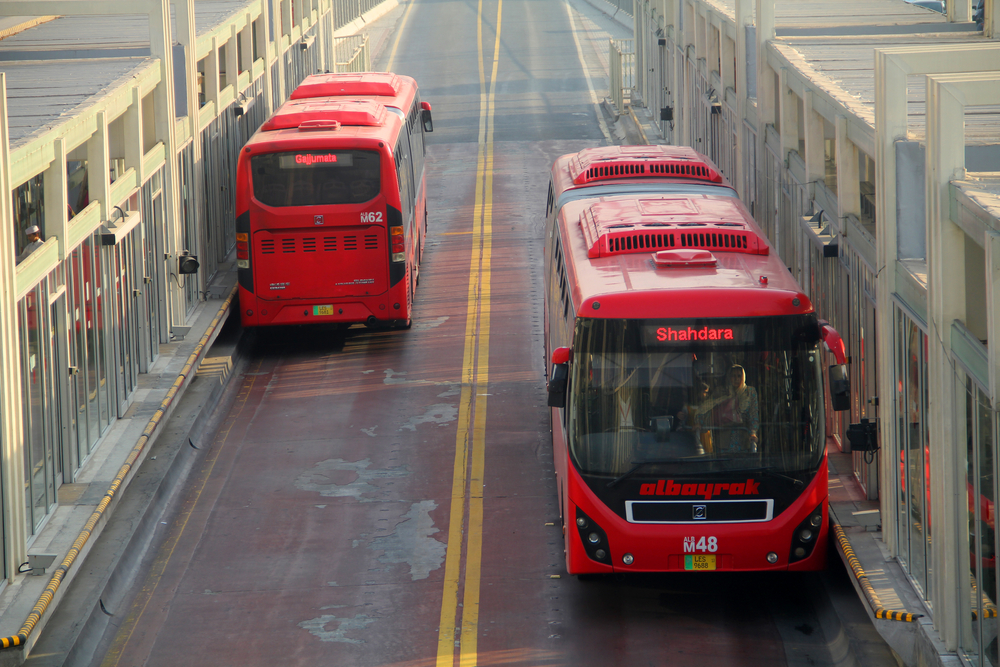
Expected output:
(696, 396)
(315, 178)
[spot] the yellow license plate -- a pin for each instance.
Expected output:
(322, 310)
(699, 562)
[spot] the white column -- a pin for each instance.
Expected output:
(57, 197)
(815, 157)
(744, 18)
(945, 303)
(15, 535)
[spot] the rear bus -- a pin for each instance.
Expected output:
(328, 229)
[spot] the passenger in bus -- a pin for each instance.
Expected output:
(363, 189)
(696, 416)
(303, 192)
(739, 413)
(334, 191)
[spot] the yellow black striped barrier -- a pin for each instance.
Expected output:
(60, 572)
(866, 586)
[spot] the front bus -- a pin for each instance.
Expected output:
(693, 444)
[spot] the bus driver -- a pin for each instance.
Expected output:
(740, 412)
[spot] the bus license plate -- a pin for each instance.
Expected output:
(699, 562)
(322, 310)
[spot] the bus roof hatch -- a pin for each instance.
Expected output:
(296, 113)
(352, 84)
(620, 226)
(612, 162)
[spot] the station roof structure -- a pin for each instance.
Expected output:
(80, 59)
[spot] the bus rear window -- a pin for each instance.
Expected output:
(315, 178)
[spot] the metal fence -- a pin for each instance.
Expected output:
(345, 11)
(352, 53)
(621, 74)
(624, 6)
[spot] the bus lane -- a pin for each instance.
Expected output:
(387, 498)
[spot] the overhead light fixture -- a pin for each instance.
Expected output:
(307, 42)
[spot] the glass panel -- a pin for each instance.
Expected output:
(78, 347)
(972, 642)
(90, 313)
(902, 434)
(731, 393)
(314, 178)
(104, 315)
(918, 454)
(986, 519)
(37, 465)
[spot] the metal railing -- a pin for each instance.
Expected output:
(621, 72)
(345, 11)
(352, 53)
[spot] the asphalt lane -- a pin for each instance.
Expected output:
(387, 498)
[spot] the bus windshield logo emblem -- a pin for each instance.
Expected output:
(317, 220)
(699, 512)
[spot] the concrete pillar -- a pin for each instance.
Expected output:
(212, 78)
(848, 177)
(815, 157)
(232, 61)
(993, 312)
(946, 303)
(164, 101)
(15, 533)
(788, 113)
(99, 166)
(57, 197)
(744, 18)
(133, 135)
(265, 49)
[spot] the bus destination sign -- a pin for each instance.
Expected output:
(680, 333)
(305, 160)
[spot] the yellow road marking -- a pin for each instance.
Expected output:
(399, 35)
(470, 440)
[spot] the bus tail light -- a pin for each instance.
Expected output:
(595, 540)
(397, 244)
(242, 251)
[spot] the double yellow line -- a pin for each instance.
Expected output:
(459, 627)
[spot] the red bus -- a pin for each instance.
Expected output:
(331, 204)
(687, 386)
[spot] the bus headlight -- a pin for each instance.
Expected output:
(804, 537)
(593, 537)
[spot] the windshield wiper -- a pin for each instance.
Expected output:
(771, 471)
(638, 465)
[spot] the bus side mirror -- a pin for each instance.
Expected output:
(425, 116)
(560, 374)
(840, 383)
(840, 387)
